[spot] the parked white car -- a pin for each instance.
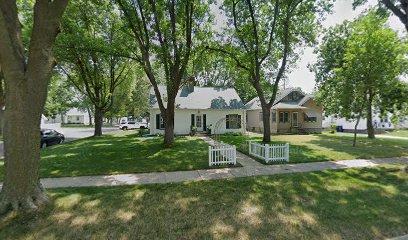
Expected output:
(133, 125)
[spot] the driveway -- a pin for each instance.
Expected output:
(72, 134)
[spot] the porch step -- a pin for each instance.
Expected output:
(302, 131)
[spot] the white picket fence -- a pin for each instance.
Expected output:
(222, 153)
(269, 153)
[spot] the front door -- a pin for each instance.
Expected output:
(199, 123)
(295, 119)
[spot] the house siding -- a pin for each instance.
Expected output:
(254, 123)
(182, 120)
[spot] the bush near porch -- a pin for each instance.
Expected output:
(121, 152)
(327, 147)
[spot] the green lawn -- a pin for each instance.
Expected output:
(326, 147)
(398, 133)
(370, 203)
(121, 152)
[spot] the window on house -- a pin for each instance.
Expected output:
(283, 117)
(273, 116)
(294, 96)
(233, 121)
(159, 121)
(309, 118)
(261, 117)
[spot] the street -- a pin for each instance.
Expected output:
(72, 134)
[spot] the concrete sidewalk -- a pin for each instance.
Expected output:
(211, 174)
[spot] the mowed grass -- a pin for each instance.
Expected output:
(327, 147)
(121, 152)
(398, 133)
(370, 203)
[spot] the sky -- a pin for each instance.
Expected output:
(343, 10)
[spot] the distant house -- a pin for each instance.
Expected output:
(380, 123)
(220, 109)
(292, 112)
(73, 116)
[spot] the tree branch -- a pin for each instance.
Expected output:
(403, 17)
(233, 56)
(275, 16)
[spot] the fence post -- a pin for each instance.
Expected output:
(209, 156)
(235, 154)
(287, 152)
(249, 147)
(267, 153)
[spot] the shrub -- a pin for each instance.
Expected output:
(233, 134)
(142, 132)
(332, 128)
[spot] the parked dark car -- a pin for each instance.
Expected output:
(51, 137)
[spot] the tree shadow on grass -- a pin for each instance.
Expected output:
(346, 204)
(297, 153)
(365, 148)
(129, 154)
(123, 154)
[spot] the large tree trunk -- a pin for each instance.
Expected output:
(98, 121)
(169, 125)
(266, 117)
(22, 188)
(26, 79)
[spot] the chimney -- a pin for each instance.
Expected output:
(191, 83)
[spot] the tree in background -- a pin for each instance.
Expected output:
(261, 37)
(165, 34)
(89, 53)
(60, 98)
(358, 70)
(27, 70)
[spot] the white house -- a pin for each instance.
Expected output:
(220, 109)
(73, 116)
(383, 123)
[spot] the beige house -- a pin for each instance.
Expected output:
(292, 112)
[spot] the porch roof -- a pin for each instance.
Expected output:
(288, 106)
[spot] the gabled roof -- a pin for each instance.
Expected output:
(255, 103)
(201, 98)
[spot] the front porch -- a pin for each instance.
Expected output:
(300, 120)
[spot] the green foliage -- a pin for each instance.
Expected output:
(358, 68)
(91, 52)
(60, 98)
(141, 132)
(260, 41)
(268, 41)
(332, 128)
